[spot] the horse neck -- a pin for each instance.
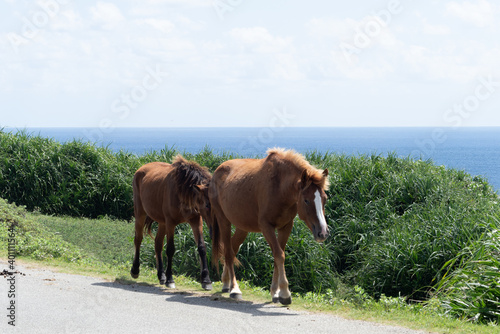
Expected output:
(290, 176)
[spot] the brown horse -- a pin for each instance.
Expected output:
(265, 195)
(171, 194)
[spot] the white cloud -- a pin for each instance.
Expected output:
(261, 57)
(351, 37)
(187, 23)
(363, 49)
(480, 13)
(399, 51)
(328, 28)
(101, 49)
(435, 29)
(164, 26)
(287, 68)
(191, 3)
(106, 14)
(259, 40)
(439, 64)
(68, 20)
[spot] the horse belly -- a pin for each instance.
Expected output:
(243, 221)
(237, 192)
(241, 209)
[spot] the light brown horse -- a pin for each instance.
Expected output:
(171, 194)
(265, 195)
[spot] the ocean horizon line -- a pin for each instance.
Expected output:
(252, 127)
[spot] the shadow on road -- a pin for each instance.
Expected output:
(214, 300)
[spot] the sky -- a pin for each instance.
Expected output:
(206, 63)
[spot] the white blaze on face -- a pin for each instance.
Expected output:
(319, 212)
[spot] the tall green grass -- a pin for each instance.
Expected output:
(471, 290)
(76, 178)
(396, 223)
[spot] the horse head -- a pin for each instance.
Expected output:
(203, 203)
(311, 204)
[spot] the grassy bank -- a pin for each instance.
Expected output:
(398, 226)
(76, 178)
(89, 247)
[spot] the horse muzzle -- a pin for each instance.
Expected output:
(320, 234)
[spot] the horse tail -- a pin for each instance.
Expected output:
(147, 226)
(216, 246)
(236, 262)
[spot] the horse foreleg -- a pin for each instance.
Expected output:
(226, 280)
(169, 279)
(197, 227)
(279, 286)
(160, 237)
(285, 297)
(275, 290)
(234, 291)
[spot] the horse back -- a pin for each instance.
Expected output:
(152, 187)
(246, 190)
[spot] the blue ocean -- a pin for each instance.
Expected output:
(475, 150)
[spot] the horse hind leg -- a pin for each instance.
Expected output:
(160, 237)
(140, 221)
(229, 283)
(236, 241)
(197, 227)
(170, 283)
(230, 259)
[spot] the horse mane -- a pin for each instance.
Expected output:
(300, 162)
(188, 175)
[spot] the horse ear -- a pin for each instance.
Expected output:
(325, 172)
(305, 180)
(201, 188)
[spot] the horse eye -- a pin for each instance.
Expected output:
(306, 201)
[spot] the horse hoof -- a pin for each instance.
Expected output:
(236, 296)
(276, 300)
(225, 290)
(207, 286)
(285, 301)
(163, 281)
(170, 285)
(134, 274)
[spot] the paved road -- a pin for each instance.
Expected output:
(51, 302)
